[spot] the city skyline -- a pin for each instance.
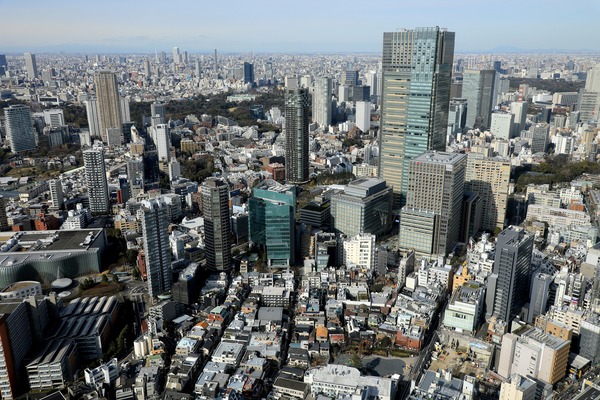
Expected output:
(519, 28)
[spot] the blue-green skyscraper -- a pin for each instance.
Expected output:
(416, 69)
(272, 212)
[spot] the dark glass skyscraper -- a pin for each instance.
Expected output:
(478, 89)
(297, 117)
(217, 224)
(417, 66)
(508, 285)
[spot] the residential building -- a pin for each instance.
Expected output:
(95, 177)
(359, 251)
(19, 128)
(157, 252)
(321, 106)
(416, 68)
(109, 105)
(296, 110)
(56, 193)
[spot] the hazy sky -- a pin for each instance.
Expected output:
(286, 26)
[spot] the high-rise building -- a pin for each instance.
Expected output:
(537, 136)
(296, 110)
(95, 177)
(457, 116)
(15, 342)
(163, 142)
(373, 82)
(56, 193)
(176, 58)
(478, 89)
(502, 125)
(217, 225)
(363, 207)
(416, 68)
(159, 109)
(430, 220)
(363, 115)
(349, 77)
(125, 112)
(519, 110)
(109, 104)
(91, 109)
(272, 214)
(248, 72)
(3, 64)
(31, 66)
(19, 128)
(321, 102)
(508, 285)
(157, 252)
(592, 81)
(589, 338)
(540, 287)
(489, 178)
(3, 217)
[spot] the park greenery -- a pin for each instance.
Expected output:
(556, 169)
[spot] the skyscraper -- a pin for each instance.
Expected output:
(56, 193)
(109, 104)
(95, 177)
(19, 128)
(91, 109)
(162, 140)
(176, 59)
(489, 178)
(248, 72)
(159, 109)
(508, 285)
(478, 89)
(3, 217)
(416, 69)
(296, 111)
(321, 102)
(157, 253)
(217, 224)
(31, 66)
(430, 220)
(3, 64)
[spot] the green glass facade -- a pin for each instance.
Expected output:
(417, 67)
(272, 223)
